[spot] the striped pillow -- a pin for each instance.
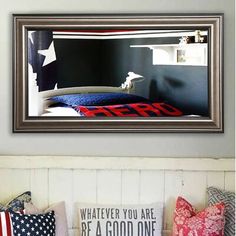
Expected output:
(5, 224)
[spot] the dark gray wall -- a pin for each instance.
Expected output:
(84, 62)
(185, 87)
(78, 62)
(107, 62)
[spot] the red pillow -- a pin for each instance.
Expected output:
(188, 222)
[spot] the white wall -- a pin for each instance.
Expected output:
(162, 145)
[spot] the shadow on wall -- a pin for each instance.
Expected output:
(185, 87)
(169, 84)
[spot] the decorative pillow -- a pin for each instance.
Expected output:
(216, 195)
(130, 110)
(120, 220)
(60, 216)
(5, 224)
(17, 204)
(98, 99)
(25, 225)
(188, 222)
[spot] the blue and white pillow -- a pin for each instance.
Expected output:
(41, 225)
(17, 204)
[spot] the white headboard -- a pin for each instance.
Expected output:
(38, 100)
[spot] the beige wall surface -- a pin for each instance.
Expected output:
(161, 145)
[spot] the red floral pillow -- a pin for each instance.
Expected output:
(188, 222)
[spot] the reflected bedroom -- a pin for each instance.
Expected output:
(118, 73)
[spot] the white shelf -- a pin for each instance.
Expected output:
(194, 54)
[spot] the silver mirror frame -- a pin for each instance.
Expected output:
(22, 23)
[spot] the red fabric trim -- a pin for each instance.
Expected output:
(8, 223)
(1, 226)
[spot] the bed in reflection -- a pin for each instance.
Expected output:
(103, 101)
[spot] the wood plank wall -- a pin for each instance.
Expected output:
(113, 181)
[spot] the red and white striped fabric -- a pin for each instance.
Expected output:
(5, 224)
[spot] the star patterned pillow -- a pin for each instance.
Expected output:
(33, 225)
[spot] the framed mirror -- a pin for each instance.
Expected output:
(118, 73)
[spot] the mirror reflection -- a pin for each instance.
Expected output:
(124, 73)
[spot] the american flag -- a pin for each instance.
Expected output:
(5, 224)
(42, 58)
